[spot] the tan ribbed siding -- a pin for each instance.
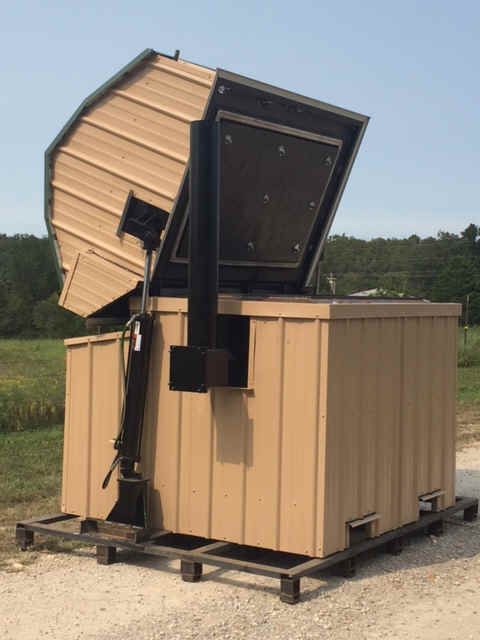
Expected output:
(94, 283)
(92, 416)
(136, 137)
(391, 420)
(349, 412)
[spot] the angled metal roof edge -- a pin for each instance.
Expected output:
(291, 95)
(333, 211)
(88, 102)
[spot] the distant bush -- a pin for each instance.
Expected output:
(469, 353)
(52, 321)
(29, 291)
(21, 410)
(469, 349)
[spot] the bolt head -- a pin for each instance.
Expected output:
(266, 199)
(328, 161)
(282, 151)
(228, 139)
(311, 205)
(221, 89)
(250, 247)
(296, 247)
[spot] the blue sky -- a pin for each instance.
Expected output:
(412, 66)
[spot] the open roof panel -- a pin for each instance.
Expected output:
(285, 160)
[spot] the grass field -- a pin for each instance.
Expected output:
(32, 374)
(32, 384)
(30, 470)
(32, 390)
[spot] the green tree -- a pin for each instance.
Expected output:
(52, 321)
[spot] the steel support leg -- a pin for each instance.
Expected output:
(470, 514)
(436, 528)
(348, 568)
(191, 571)
(106, 555)
(395, 547)
(23, 538)
(289, 589)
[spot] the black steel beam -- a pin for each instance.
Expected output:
(204, 233)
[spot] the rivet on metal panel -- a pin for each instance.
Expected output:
(266, 199)
(228, 139)
(251, 246)
(296, 248)
(282, 151)
(328, 161)
(312, 205)
(221, 89)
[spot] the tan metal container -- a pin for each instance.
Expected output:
(348, 419)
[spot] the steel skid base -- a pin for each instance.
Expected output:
(193, 551)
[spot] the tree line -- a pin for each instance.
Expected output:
(445, 268)
(29, 291)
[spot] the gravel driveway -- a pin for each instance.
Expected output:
(430, 591)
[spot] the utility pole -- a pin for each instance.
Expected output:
(465, 330)
(332, 281)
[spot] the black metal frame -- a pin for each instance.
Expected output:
(194, 551)
(201, 365)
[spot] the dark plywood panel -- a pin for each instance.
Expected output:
(272, 264)
(272, 182)
(271, 186)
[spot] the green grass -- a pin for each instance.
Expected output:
(469, 347)
(30, 472)
(468, 394)
(32, 384)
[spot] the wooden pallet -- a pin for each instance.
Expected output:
(193, 551)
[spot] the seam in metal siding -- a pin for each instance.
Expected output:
(134, 136)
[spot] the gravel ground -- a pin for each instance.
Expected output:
(431, 591)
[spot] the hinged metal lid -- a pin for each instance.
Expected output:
(283, 164)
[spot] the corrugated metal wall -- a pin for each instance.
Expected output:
(391, 420)
(94, 283)
(135, 138)
(341, 419)
(92, 414)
